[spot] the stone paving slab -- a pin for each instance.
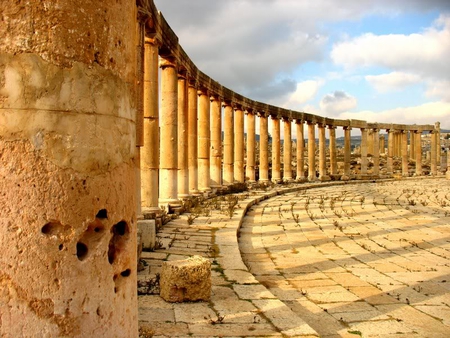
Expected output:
(375, 266)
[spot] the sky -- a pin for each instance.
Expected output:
(375, 60)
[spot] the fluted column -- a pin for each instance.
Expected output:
(150, 150)
(239, 174)
(376, 152)
(183, 167)
(204, 141)
(216, 142)
(228, 143)
(276, 165)
(433, 151)
(168, 180)
(418, 146)
(347, 153)
(404, 142)
(263, 147)
(287, 150)
(193, 137)
(390, 156)
(364, 151)
(322, 153)
(333, 158)
(300, 151)
(251, 145)
(311, 151)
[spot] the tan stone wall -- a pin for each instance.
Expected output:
(67, 181)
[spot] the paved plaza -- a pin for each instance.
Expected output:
(329, 260)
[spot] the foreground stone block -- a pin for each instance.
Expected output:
(186, 280)
(147, 227)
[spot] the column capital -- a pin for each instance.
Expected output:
(155, 41)
(330, 126)
(299, 121)
(237, 106)
(347, 128)
(214, 97)
(275, 116)
(227, 103)
(287, 118)
(182, 74)
(168, 61)
(310, 123)
(202, 91)
(262, 114)
(249, 111)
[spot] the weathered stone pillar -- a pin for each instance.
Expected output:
(382, 144)
(193, 137)
(433, 150)
(251, 145)
(412, 150)
(216, 142)
(363, 151)
(418, 146)
(228, 144)
(404, 141)
(437, 128)
(370, 142)
(390, 160)
(300, 151)
(183, 168)
(168, 183)
(150, 150)
(322, 154)
(287, 150)
(204, 141)
(67, 177)
(347, 153)
(376, 151)
(311, 151)
(263, 147)
(239, 147)
(447, 174)
(333, 158)
(276, 165)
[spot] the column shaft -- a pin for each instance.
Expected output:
(263, 147)
(376, 152)
(251, 146)
(300, 151)
(168, 184)
(204, 141)
(390, 160)
(404, 142)
(287, 150)
(193, 138)
(433, 150)
(418, 146)
(276, 165)
(333, 158)
(216, 142)
(412, 142)
(322, 153)
(363, 151)
(228, 144)
(311, 152)
(347, 153)
(183, 168)
(239, 173)
(150, 150)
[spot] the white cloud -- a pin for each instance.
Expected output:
(440, 89)
(392, 81)
(337, 102)
(304, 92)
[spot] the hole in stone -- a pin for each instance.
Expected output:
(115, 290)
(82, 251)
(111, 251)
(102, 214)
(61, 247)
(125, 273)
(54, 228)
(120, 228)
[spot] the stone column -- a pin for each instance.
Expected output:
(412, 151)
(382, 144)
(433, 150)
(376, 152)
(276, 165)
(183, 168)
(418, 146)
(287, 150)
(67, 176)
(150, 150)
(322, 154)
(437, 128)
(390, 156)
(311, 151)
(251, 144)
(333, 158)
(263, 147)
(300, 151)
(168, 184)
(228, 144)
(363, 151)
(193, 137)
(447, 174)
(216, 142)
(239, 173)
(347, 153)
(370, 142)
(404, 141)
(204, 141)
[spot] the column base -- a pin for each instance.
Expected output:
(312, 178)
(345, 178)
(324, 178)
(184, 196)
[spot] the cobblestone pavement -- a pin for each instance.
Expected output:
(368, 259)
